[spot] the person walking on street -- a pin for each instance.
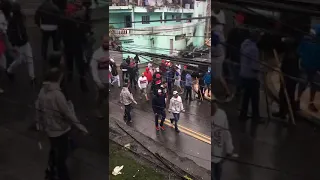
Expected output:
(124, 66)
(55, 116)
(176, 107)
(18, 37)
(222, 145)
(169, 78)
(249, 74)
(47, 18)
(159, 106)
(137, 60)
(114, 72)
(126, 98)
(133, 74)
(188, 86)
(143, 84)
(100, 73)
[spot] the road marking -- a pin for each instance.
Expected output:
(191, 133)
(190, 130)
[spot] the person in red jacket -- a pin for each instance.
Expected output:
(147, 73)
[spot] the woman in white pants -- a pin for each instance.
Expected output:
(19, 39)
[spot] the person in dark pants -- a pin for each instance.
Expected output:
(290, 67)
(188, 86)
(124, 66)
(169, 75)
(74, 37)
(126, 98)
(133, 75)
(47, 18)
(249, 73)
(159, 106)
(51, 100)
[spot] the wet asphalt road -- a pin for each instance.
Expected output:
(273, 151)
(184, 145)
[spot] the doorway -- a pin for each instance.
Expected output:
(127, 20)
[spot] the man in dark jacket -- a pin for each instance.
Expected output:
(47, 18)
(74, 38)
(133, 74)
(124, 66)
(169, 78)
(159, 106)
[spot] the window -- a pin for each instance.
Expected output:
(189, 18)
(178, 18)
(172, 17)
(179, 37)
(145, 19)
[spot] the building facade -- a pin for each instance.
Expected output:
(155, 26)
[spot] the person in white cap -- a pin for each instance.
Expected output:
(222, 140)
(143, 84)
(176, 107)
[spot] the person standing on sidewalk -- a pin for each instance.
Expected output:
(176, 107)
(188, 86)
(55, 116)
(222, 145)
(159, 106)
(47, 18)
(143, 84)
(249, 73)
(126, 98)
(114, 73)
(18, 37)
(100, 73)
(290, 67)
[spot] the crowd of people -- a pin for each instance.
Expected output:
(243, 48)
(159, 83)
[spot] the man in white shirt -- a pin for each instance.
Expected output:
(176, 107)
(100, 72)
(143, 84)
(222, 141)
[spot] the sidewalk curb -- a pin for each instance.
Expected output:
(272, 92)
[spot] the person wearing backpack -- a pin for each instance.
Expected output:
(18, 37)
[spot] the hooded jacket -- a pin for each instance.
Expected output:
(148, 74)
(309, 50)
(158, 103)
(176, 105)
(126, 98)
(54, 115)
(222, 140)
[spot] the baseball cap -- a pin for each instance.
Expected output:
(175, 92)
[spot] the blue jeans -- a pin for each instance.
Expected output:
(176, 117)
(161, 113)
(216, 170)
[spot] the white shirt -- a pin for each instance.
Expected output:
(100, 66)
(142, 82)
(176, 105)
(222, 140)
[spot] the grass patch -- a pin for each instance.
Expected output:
(118, 156)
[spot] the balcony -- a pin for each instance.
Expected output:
(152, 4)
(185, 28)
